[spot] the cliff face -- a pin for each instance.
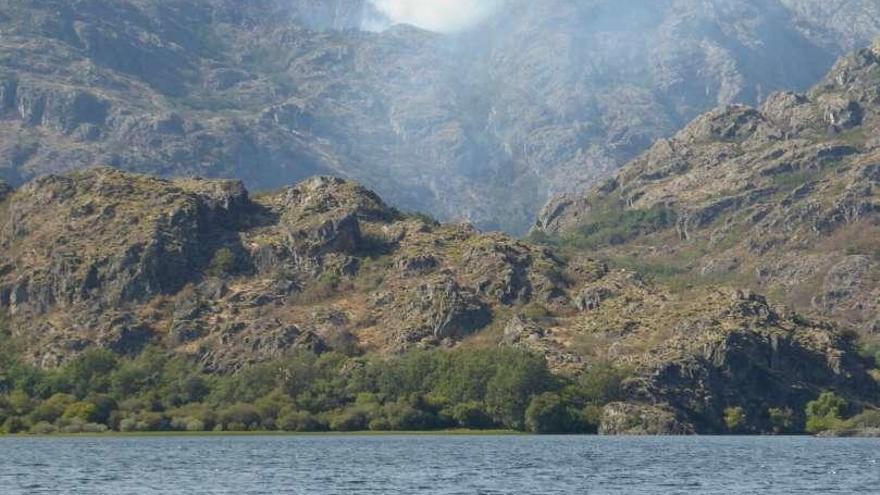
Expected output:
(121, 261)
(481, 125)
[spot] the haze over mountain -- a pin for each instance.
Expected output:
(483, 120)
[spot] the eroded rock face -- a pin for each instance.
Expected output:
(76, 239)
(620, 418)
(201, 267)
(758, 368)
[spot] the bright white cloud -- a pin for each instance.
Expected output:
(437, 15)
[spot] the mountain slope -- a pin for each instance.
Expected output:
(481, 125)
(782, 199)
(102, 259)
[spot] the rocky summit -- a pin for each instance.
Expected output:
(108, 259)
(482, 125)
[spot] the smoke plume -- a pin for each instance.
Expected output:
(437, 15)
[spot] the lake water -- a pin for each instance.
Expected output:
(438, 465)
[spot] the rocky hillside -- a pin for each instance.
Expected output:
(781, 198)
(107, 259)
(481, 125)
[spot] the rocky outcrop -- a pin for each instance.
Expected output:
(620, 418)
(77, 239)
(761, 361)
(203, 268)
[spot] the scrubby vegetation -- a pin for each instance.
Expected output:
(501, 388)
(617, 225)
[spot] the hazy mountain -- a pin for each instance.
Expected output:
(480, 124)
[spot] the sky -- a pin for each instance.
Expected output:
(437, 15)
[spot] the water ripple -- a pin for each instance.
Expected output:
(437, 465)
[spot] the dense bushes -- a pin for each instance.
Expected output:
(826, 412)
(421, 390)
(502, 388)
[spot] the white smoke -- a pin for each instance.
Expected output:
(437, 15)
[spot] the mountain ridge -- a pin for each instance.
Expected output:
(481, 125)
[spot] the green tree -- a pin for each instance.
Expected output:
(291, 420)
(51, 409)
(548, 413)
(84, 411)
(471, 414)
(602, 383)
(520, 376)
(90, 372)
(826, 412)
(240, 417)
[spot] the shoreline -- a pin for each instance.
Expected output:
(416, 433)
(158, 434)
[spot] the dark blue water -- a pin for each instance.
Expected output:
(438, 464)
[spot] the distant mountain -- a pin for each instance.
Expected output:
(482, 125)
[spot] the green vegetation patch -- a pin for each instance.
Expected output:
(616, 226)
(432, 390)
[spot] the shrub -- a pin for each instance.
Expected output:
(128, 425)
(187, 424)
(782, 419)
(43, 428)
(379, 424)
(591, 418)
(79, 426)
(148, 421)
(734, 418)
(602, 383)
(223, 263)
(83, 411)
(349, 419)
(825, 413)
(869, 419)
(617, 225)
(52, 408)
(298, 421)
(13, 425)
(471, 414)
(240, 417)
(402, 416)
(193, 424)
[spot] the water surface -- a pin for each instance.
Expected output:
(437, 465)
